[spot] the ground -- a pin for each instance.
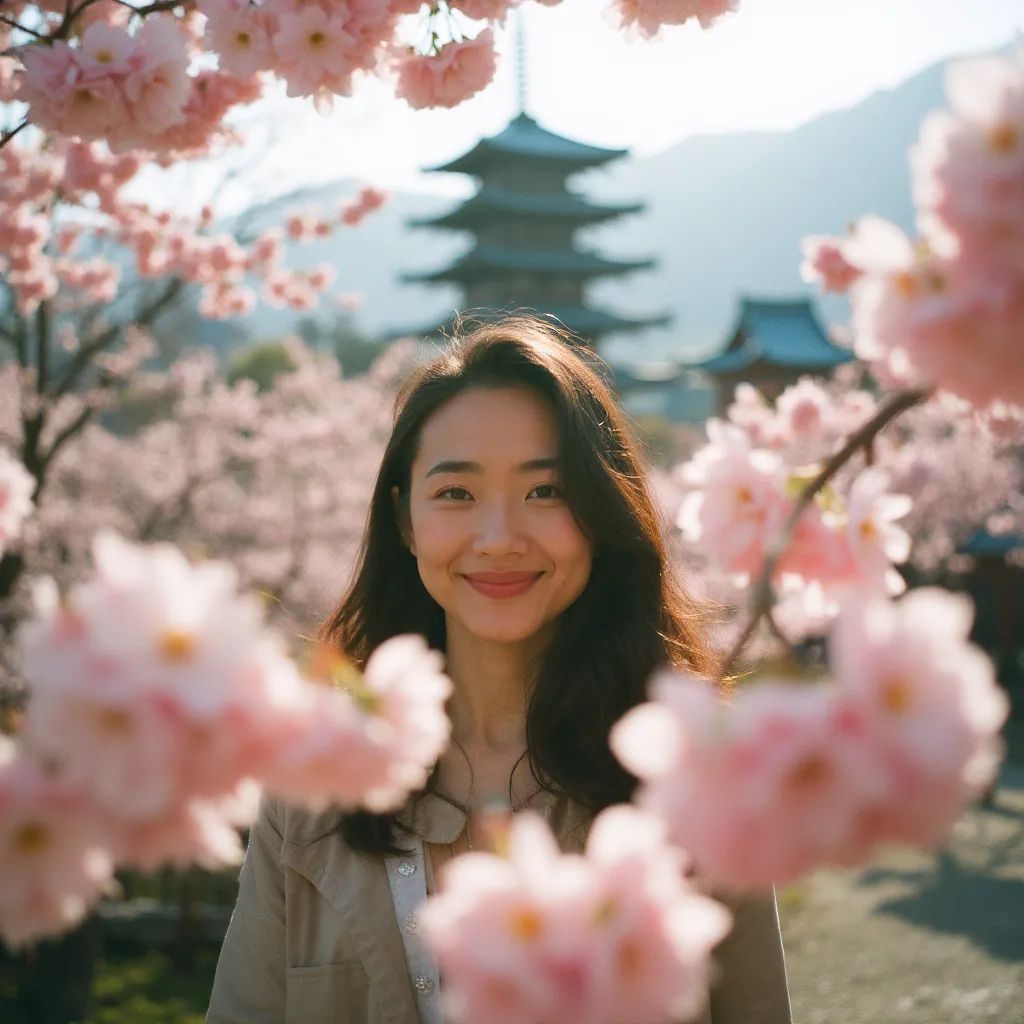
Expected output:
(917, 939)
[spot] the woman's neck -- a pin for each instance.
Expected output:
(491, 690)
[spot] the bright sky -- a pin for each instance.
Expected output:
(775, 64)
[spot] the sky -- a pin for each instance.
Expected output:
(772, 66)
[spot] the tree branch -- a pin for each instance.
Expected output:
(42, 346)
(63, 437)
(21, 28)
(7, 136)
(86, 352)
(763, 595)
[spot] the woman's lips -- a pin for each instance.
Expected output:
(501, 584)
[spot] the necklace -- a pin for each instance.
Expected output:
(495, 808)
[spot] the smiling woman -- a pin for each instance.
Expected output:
(512, 526)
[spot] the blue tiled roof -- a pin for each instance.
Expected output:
(984, 544)
(490, 200)
(485, 258)
(785, 334)
(525, 139)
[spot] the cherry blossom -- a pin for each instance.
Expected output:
(649, 16)
(16, 487)
(931, 703)
(368, 738)
(780, 777)
(461, 70)
(946, 310)
(53, 850)
(614, 935)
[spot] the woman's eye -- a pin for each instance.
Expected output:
(454, 494)
(547, 491)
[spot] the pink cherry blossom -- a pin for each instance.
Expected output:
(947, 311)
(873, 540)
(968, 170)
(16, 488)
(53, 853)
(825, 261)
(458, 71)
(737, 501)
(615, 935)
(485, 10)
(125, 88)
(239, 34)
(781, 778)
(312, 49)
(648, 16)
(760, 790)
(369, 739)
(931, 703)
(160, 623)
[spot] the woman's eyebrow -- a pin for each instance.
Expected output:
(465, 466)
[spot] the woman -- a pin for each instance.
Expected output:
(512, 526)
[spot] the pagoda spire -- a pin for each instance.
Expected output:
(520, 30)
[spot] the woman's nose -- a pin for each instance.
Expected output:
(498, 531)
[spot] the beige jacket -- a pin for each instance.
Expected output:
(314, 940)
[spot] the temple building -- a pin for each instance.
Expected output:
(772, 345)
(522, 221)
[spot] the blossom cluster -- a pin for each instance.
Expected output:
(739, 490)
(42, 260)
(782, 777)
(276, 481)
(614, 936)
(16, 488)
(647, 17)
(159, 701)
(102, 72)
(947, 310)
(125, 88)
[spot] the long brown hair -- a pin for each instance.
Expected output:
(632, 617)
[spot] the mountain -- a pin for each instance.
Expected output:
(724, 217)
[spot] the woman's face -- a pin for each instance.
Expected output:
(496, 544)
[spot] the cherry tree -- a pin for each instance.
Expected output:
(160, 76)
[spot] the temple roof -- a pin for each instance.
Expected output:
(490, 201)
(782, 334)
(482, 260)
(526, 140)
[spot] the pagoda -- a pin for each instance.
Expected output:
(772, 345)
(522, 220)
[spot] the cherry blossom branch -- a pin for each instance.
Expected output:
(156, 7)
(83, 357)
(8, 135)
(763, 595)
(62, 438)
(22, 28)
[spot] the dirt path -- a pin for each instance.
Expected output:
(917, 939)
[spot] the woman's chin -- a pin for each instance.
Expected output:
(500, 630)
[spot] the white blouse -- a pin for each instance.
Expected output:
(407, 876)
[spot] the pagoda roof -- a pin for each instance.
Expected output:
(584, 321)
(784, 334)
(525, 140)
(489, 201)
(482, 260)
(587, 321)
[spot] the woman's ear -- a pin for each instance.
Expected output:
(402, 518)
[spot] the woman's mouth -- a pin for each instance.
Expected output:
(502, 584)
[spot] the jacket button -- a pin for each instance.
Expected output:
(407, 868)
(424, 986)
